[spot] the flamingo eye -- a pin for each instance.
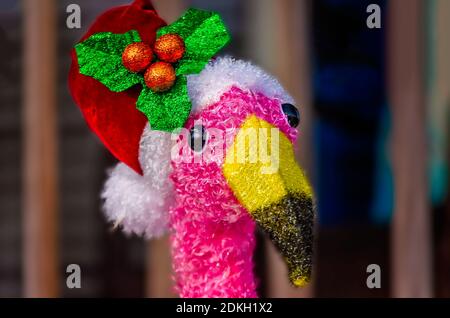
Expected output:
(292, 114)
(197, 138)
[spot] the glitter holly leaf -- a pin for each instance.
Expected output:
(167, 110)
(100, 57)
(204, 34)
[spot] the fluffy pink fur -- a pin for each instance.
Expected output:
(212, 235)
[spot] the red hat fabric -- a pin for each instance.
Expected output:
(113, 117)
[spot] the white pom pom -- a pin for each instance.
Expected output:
(131, 203)
(140, 204)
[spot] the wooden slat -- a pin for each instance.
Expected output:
(159, 266)
(278, 41)
(411, 238)
(40, 261)
(159, 269)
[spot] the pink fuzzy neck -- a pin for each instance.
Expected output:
(212, 260)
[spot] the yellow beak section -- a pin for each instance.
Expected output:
(261, 170)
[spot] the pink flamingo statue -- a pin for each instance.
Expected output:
(229, 168)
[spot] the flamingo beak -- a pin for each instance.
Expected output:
(261, 170)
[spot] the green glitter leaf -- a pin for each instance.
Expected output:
(100, 57)
(168, 110)
(204, 34)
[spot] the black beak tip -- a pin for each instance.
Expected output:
(289, 224)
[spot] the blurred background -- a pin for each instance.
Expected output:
(374, 141)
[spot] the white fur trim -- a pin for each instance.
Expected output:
(140, 204)
(221, 74)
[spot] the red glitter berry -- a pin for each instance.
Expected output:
(160, 76)
(169, 48)
(137, 57)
